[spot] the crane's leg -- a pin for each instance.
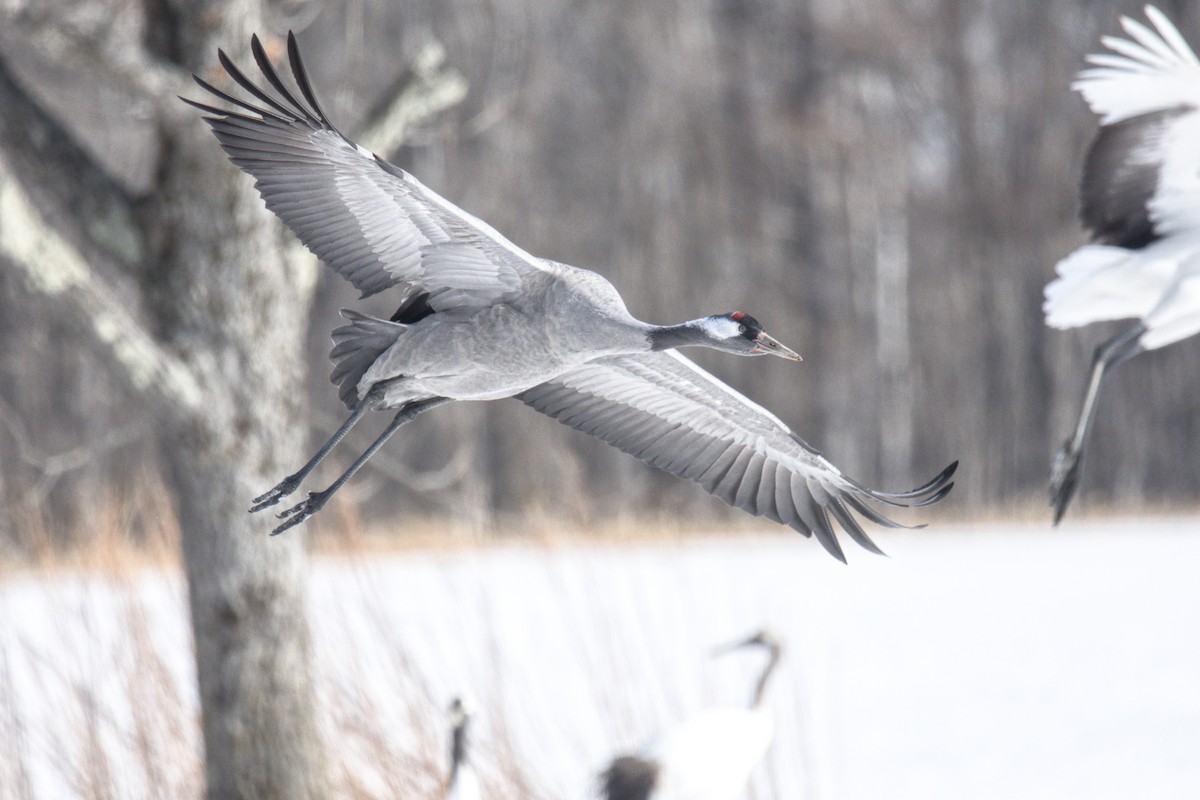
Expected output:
(1065, 469)
(317, 500)
(289, 484)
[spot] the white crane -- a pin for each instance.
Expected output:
(463, 783)
(480, 319)
(1141, 202)
(708, 757)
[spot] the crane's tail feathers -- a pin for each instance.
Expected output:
(1175, 321)
(1098, 282)
(356, 347)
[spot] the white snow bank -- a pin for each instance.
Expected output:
(982, 663)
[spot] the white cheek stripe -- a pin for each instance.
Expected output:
(721, 327)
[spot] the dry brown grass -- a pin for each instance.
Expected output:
(140, 530)
(124, 532)
(143, 740)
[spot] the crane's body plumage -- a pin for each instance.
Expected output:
(501, 350)
(1140, 199)
(711, 754)
(478, 318)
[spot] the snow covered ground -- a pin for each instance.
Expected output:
(981, 662)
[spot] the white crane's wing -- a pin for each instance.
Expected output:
(1152, 70)
(668, 412)
(372, 222)
(1141, 179)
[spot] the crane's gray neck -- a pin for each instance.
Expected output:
(458, 747)
(775, 652)
(685, 334)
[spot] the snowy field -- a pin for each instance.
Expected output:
(974, 663)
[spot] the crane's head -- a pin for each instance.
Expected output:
(766, 640)
(460, 713)
(738, 332)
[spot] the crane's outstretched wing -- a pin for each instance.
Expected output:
(668, 412)
(369, 220)
(1141, 178)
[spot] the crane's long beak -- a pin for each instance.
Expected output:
(770, 346)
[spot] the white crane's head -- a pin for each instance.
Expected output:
(766, 640)
(738, 332)
(459, 712)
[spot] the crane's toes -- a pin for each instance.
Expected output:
(275, 494)
(1064, 477)
(291, 523)
(300, 512)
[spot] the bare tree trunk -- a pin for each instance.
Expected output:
(205, 322)
(218, 362)
(240, 327)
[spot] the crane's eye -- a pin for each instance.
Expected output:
(741, 328)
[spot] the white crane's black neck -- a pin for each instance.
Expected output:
(458, 747)
(774, 652)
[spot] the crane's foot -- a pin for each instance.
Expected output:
(1064, 477)
(298, 513)
(277, 493)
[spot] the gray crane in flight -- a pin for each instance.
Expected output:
(478, 318)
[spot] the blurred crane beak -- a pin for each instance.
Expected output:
(768, 345)
(721, 650)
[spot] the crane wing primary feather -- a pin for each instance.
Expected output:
(372, 222)
(668, 412)
(1141, 178)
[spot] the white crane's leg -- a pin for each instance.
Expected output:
(317, 500)
(289, 484)
(1065, 469)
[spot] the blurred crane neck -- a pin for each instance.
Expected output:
(775, 652)
(458, 748)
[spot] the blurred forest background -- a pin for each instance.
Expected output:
(887, 186)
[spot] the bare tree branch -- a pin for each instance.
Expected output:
(52, 466)
(39, 153)
(93, 44)
(52, 266)
(417, 95)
